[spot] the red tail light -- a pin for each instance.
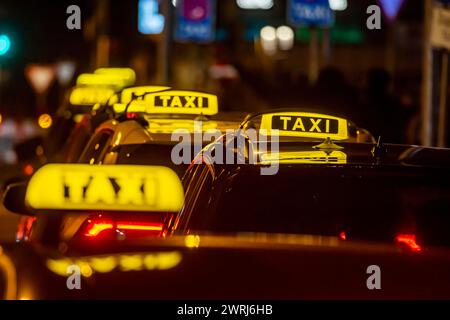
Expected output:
(96, 226)
(25, 228)
(408, 240)
(132, 115)
(28, 170)
(130, 226)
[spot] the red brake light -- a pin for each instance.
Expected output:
(409, 240)
(132, 115)
(28, 169)
(342, 236)
(140, 226)
(96, 226)
(100, 226)
(25, 228)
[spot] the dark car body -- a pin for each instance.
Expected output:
(228, 267)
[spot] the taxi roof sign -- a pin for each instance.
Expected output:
(127, 73)
(176, 102)
(129, 93)
(92, 79)
(88, 96)
(111, 188)
(305, 124)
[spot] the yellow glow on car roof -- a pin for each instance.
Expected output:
(305, 157)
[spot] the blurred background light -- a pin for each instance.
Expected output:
(268, 36)
(391, 8)
(285, 37)
(150, 21)
(5, 44)
(45, 121)
(338, 5)
(255, 4)
(268, 33)
(65, 71)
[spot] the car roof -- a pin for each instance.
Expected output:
(161, 127)
(309, 153)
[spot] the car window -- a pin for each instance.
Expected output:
(197, 184)
(96, 148)
(366, 205)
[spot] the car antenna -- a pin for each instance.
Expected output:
(201, 117)
(378, 150)
(124, 116)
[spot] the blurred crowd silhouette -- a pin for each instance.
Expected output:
(374, 104)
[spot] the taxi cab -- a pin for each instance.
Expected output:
(141, 134)
(281, 252)
(303, 173)
(310, 230)
(72, 123)
(88, 107)
(91, 89)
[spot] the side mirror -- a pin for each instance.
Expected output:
(14, 198)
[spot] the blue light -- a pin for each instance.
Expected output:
(391, 8)
(149, 19)
(5, 44)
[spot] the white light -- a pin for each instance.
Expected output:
(64, 72)
(174, 3)
(285, 33)
(268, 37)
(268, 33)
(285, 37)
(40, 76)
(338, 5)
(255, 4)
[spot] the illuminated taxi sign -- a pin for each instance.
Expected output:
(126, 73)
(308, 125)
(305, 157)
(91, 79)
(113, 188)
(176, 102)
(129, 93)
(87, 96)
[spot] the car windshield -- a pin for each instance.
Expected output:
(366, 205)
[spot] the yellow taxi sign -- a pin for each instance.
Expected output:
(305, 157)
(92, 79)
(126, 73)
(127, 94)
(107, 187)
(176, 102)
(87, 96)
(305, 124)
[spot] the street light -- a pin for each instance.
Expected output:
(268, 37)
(285, 37)
(338, 5)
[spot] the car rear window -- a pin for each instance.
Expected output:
(370, 205)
